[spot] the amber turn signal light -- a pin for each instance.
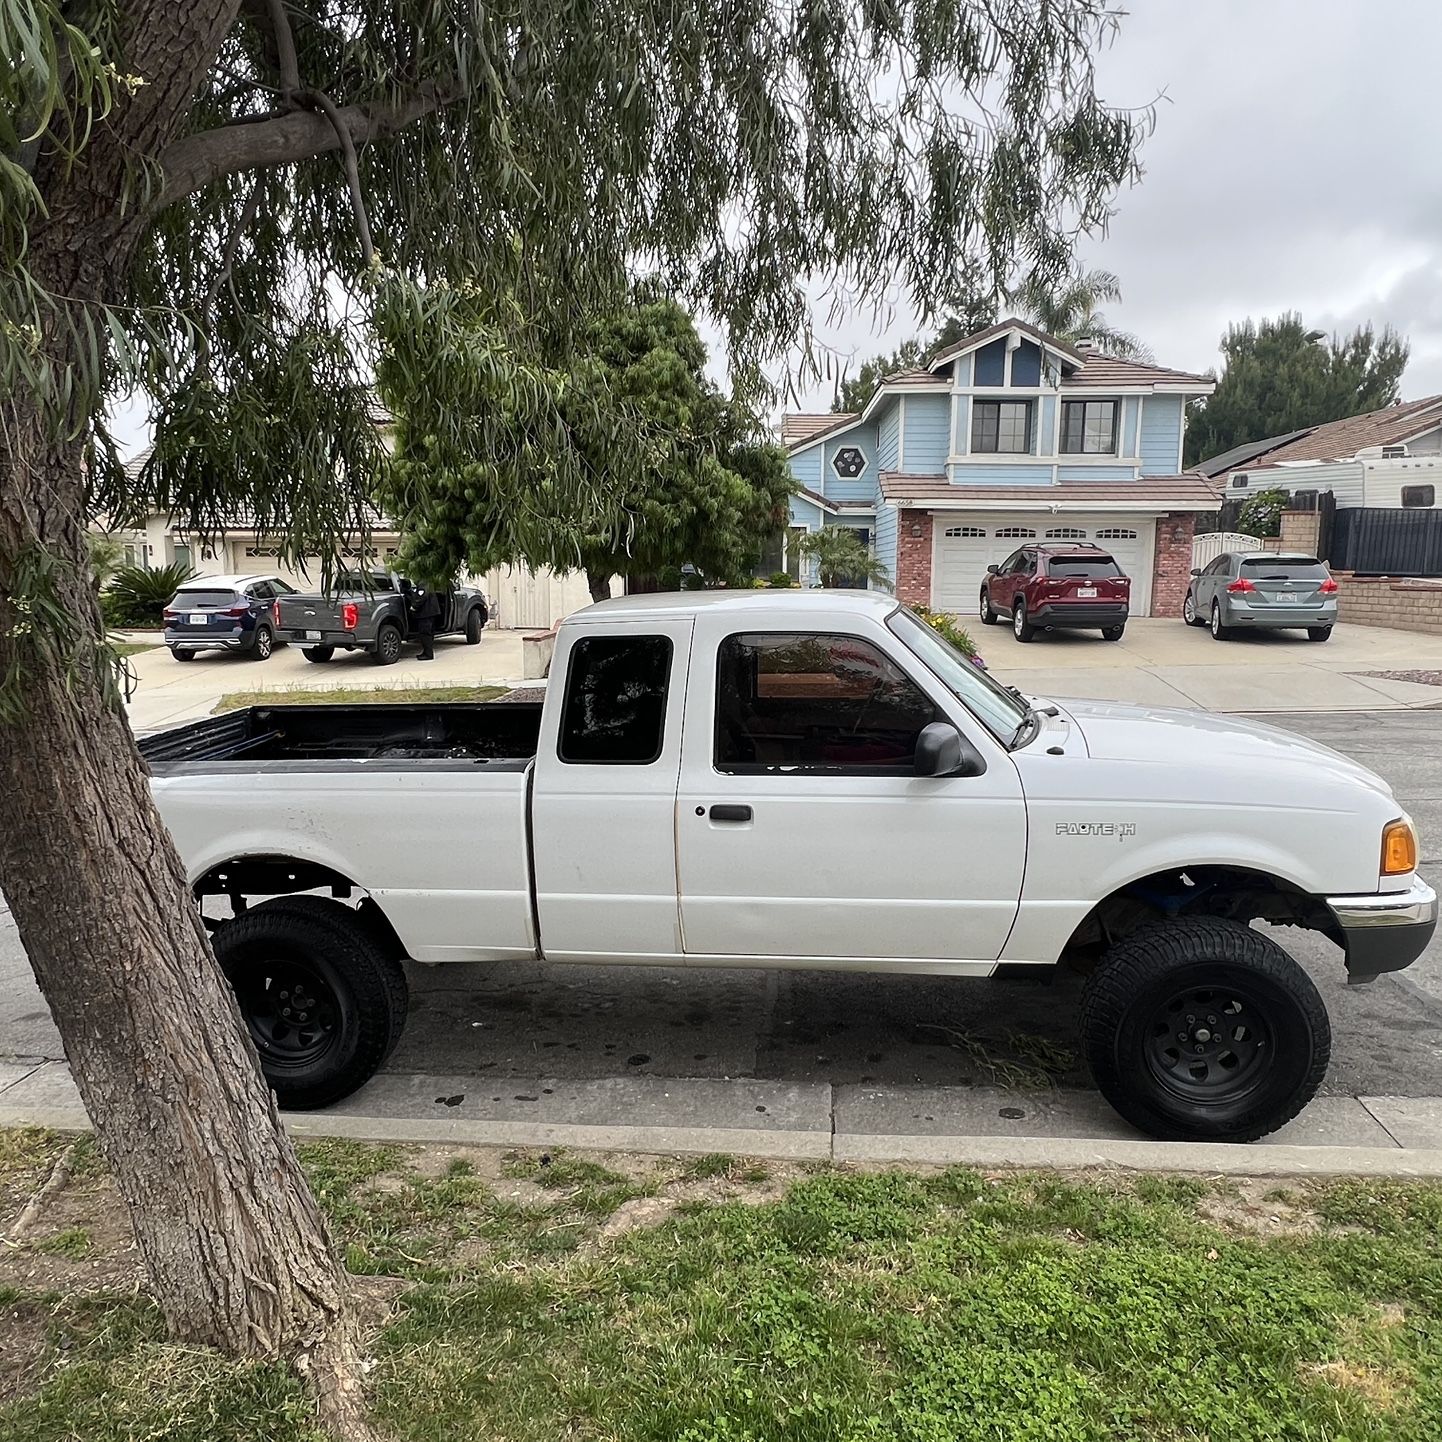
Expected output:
(1399, 848)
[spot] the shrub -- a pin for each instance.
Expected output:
(137, 597)
(946, 628)
(781, 580)
(1262, 514)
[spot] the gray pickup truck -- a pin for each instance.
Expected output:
(367, 611)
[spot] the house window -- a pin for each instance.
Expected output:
(848, 463)
(1066, 533)
(1001, 427)
(1016, 533)
(969, 532)
(1088, 428)
(1115, 533)
(1419, 496)
(792, 702)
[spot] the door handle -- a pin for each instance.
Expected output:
(730, 813)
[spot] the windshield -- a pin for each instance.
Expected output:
(198, 597)
(999, 710)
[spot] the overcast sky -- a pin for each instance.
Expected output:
(1294, 167)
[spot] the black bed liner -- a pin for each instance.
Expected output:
(478, 733)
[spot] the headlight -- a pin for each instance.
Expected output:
(1399, 848)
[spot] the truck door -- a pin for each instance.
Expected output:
(604, 796)
(802, 828)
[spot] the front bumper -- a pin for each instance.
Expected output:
(1385, 930)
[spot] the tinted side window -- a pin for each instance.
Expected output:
(1218, 567)
(615, 712)
(261, 591)
(796, 702)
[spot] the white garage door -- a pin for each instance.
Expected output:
(964, 550)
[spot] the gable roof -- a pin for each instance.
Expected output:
(981, 337)
(1341, 440)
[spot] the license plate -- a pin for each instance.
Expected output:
(1086, 590)
(312, 635)
(199, 618)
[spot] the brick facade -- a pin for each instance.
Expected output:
(1301, 530)
(913, 558)
(1408, 605)
(1172, 563)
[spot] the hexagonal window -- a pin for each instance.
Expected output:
(848, 463)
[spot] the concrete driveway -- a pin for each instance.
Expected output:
(1161, 662)
(168, 692)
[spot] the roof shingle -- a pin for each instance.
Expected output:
(1341, 440)
(1190, 492)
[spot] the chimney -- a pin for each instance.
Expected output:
(1085, 346)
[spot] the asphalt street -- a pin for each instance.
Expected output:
(486, 1025)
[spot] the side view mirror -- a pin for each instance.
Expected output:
(993, 570)
(1196, 570)
(941, 750)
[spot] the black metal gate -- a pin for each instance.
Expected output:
(1377, 542)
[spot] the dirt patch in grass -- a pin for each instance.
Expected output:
(1378, 1387)
(1261, 1209)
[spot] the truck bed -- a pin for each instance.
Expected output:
(498, 735)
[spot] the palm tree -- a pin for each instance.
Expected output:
(841, 558)
(1070, 311)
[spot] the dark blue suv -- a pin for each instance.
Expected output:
(225, 613)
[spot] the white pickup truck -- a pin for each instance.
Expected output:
(801, 779)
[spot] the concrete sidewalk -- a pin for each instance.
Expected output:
(977, 1126)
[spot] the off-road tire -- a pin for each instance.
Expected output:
(475, 624)
(343, 951)
(1209, 962)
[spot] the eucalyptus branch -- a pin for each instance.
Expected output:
(195, 161)
(232, 243)
(288, 64)
(322, 102)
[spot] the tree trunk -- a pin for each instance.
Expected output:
(599, 584)
(238, 1252)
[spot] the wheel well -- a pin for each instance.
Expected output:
(242, 879)
(1235, 892)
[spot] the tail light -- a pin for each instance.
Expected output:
(1329, 587)
(170, 615)
(275, 613)
(350, 615)
(1240, 584)
(236, 611)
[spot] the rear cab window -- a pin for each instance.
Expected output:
(615, 706)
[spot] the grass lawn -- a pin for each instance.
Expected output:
(356, 695)
(525, 1297)
(134, 648)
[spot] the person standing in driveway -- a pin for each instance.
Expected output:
(425, 609)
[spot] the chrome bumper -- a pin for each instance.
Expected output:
(1385, 930)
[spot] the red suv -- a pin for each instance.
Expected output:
(1051, 588)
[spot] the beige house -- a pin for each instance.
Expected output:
(519, 597)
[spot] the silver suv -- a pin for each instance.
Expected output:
(1262, 590)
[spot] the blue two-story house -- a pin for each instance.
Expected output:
(1008, 436)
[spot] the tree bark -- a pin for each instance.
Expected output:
(238, 1252)
(600, 585)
